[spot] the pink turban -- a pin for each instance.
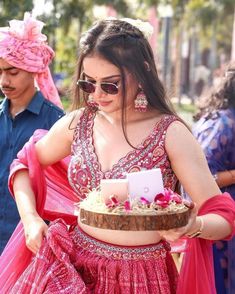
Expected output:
(24, 46)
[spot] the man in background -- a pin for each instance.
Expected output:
(31, 102)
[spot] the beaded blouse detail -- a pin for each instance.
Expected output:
(85, 172)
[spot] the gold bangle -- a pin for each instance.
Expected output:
(199, 231)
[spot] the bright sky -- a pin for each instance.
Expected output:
(42, 6)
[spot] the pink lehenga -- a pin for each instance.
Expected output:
(77, 263)
(73, 262)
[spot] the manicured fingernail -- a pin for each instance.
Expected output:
(189, 204)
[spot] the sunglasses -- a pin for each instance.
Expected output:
(89, 87)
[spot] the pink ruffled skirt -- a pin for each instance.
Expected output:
(74, 262)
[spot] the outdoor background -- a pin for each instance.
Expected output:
(192, 41)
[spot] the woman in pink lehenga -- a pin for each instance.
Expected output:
(127, 124)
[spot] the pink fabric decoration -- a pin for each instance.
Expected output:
(24, 46)
(197, 266)
(55, 199)
(51, 271)
(51, 182)
(96, 267)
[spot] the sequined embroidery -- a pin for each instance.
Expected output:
(119, 252)
(85, 172)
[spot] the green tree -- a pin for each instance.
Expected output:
(13, 9)
(65, 26)
(214, 18)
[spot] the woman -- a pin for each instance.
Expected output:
(126, 124)
(215, 131)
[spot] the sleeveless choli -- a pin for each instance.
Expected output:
(84, 172)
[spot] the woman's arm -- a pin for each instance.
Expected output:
(34, 226)
(191, 168)
(54, 146)
(225, 178)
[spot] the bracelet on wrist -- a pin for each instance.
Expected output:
(199, 231)
(215, 176)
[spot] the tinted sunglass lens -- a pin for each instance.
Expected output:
(86, 86)
(109, 88)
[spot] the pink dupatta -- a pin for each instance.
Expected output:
(197, 271)
(55, 199)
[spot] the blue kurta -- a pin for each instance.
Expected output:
(14, 133)
(217, 138)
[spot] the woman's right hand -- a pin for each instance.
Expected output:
(35, 230)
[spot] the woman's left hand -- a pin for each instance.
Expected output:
(175, 234)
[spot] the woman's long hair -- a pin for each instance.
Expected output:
(220, 97)
(125, 46)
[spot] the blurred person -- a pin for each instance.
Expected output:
(201, 79)
(24, 59)
(215, 131)
(126, 124)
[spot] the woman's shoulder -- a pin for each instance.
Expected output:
(167, 125)
(180, 142)
(178, 134)
(72, 118)
(176, 126)
(165, 120)
(66, 125)
(171, 121)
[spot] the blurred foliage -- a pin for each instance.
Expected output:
(185, 107)
(13, 9)
(69, 18)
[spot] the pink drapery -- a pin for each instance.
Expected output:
(60, 203)
(196, 275)
(197, 264)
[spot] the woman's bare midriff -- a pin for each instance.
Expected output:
(124, 238)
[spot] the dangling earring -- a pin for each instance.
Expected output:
(91, 103)
(141, 102)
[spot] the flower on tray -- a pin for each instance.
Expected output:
(127, 206)
(112, 201)
(164, 199)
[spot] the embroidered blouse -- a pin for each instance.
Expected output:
(85, 172)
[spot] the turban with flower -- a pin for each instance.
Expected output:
(24, 46)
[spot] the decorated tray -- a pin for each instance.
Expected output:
(167, 211)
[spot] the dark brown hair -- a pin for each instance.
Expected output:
(125, 46)
(220, 97)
